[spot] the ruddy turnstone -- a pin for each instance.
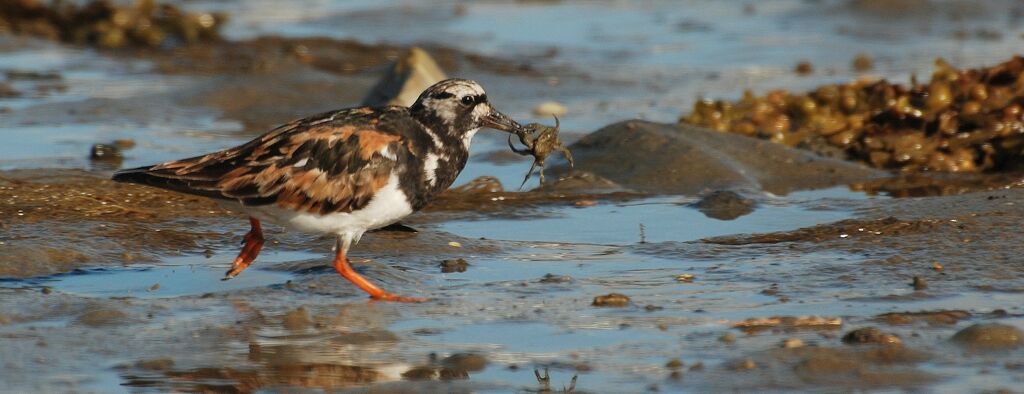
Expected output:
(342, 172)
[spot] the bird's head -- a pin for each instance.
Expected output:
(460, 108)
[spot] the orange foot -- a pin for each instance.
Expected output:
(376, 293)
(253, 244)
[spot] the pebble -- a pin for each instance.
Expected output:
(792, 343)
(803, 68)
(863, 62)
(870, 335)
(919, 283)
(611, 300)
(550, 108)
(455, 265)
(105, 152)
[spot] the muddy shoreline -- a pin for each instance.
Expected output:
(742, 265)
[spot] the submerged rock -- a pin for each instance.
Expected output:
(724, 205)
(454, 265)
(990, 336)
(870, 335)
(683, 159)
(412, 73)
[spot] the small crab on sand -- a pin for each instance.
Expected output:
(540, 141)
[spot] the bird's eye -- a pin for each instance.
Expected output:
(468, 100)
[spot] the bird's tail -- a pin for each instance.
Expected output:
(134, 175)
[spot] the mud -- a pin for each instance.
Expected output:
(109, 287)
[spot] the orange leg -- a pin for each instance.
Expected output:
(377, 293)
(253, 244)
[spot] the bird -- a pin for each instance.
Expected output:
(340, 173)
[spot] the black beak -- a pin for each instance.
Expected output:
(499, 121)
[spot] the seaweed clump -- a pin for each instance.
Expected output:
(101, 23)
(965, 121)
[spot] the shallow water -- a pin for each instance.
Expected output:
(289, 323)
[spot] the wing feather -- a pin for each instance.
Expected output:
(311, 165)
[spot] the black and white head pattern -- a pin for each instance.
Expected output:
(453, 107)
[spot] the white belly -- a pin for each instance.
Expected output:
(388, 206)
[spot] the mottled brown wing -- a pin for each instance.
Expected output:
(311, 166)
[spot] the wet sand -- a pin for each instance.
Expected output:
(110, 287)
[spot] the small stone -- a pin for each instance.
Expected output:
(585, 203)
(674, 363)
(697, 367)
(456, 265)
(937, 266)
(727, 337)
(990, 336)
(454, 244)
(792, 343)
(919, 283)
(870, 335)
(297, 319)
(615, 300)
(551, 278)
(154, 287)
(548, 109)
(724, 205)
(863, 62)
(105, 152)
(685, 278)
(803, 68)
(47, 290)
(471, 362)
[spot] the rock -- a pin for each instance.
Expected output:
(792, 343)
(552, 278)
(803, 68)
(470, 362)
(456, 265)
(724, 205)
(863, 62)
(919, 283)
(548, 109)
(101, 317)
(940, 317)
(412, 73)
(870, 335)
(296, 320)
(105, 152)
(682, 159)
(611, 300)
(727, 337)
(990, 336)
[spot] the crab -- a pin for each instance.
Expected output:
(540, 141)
